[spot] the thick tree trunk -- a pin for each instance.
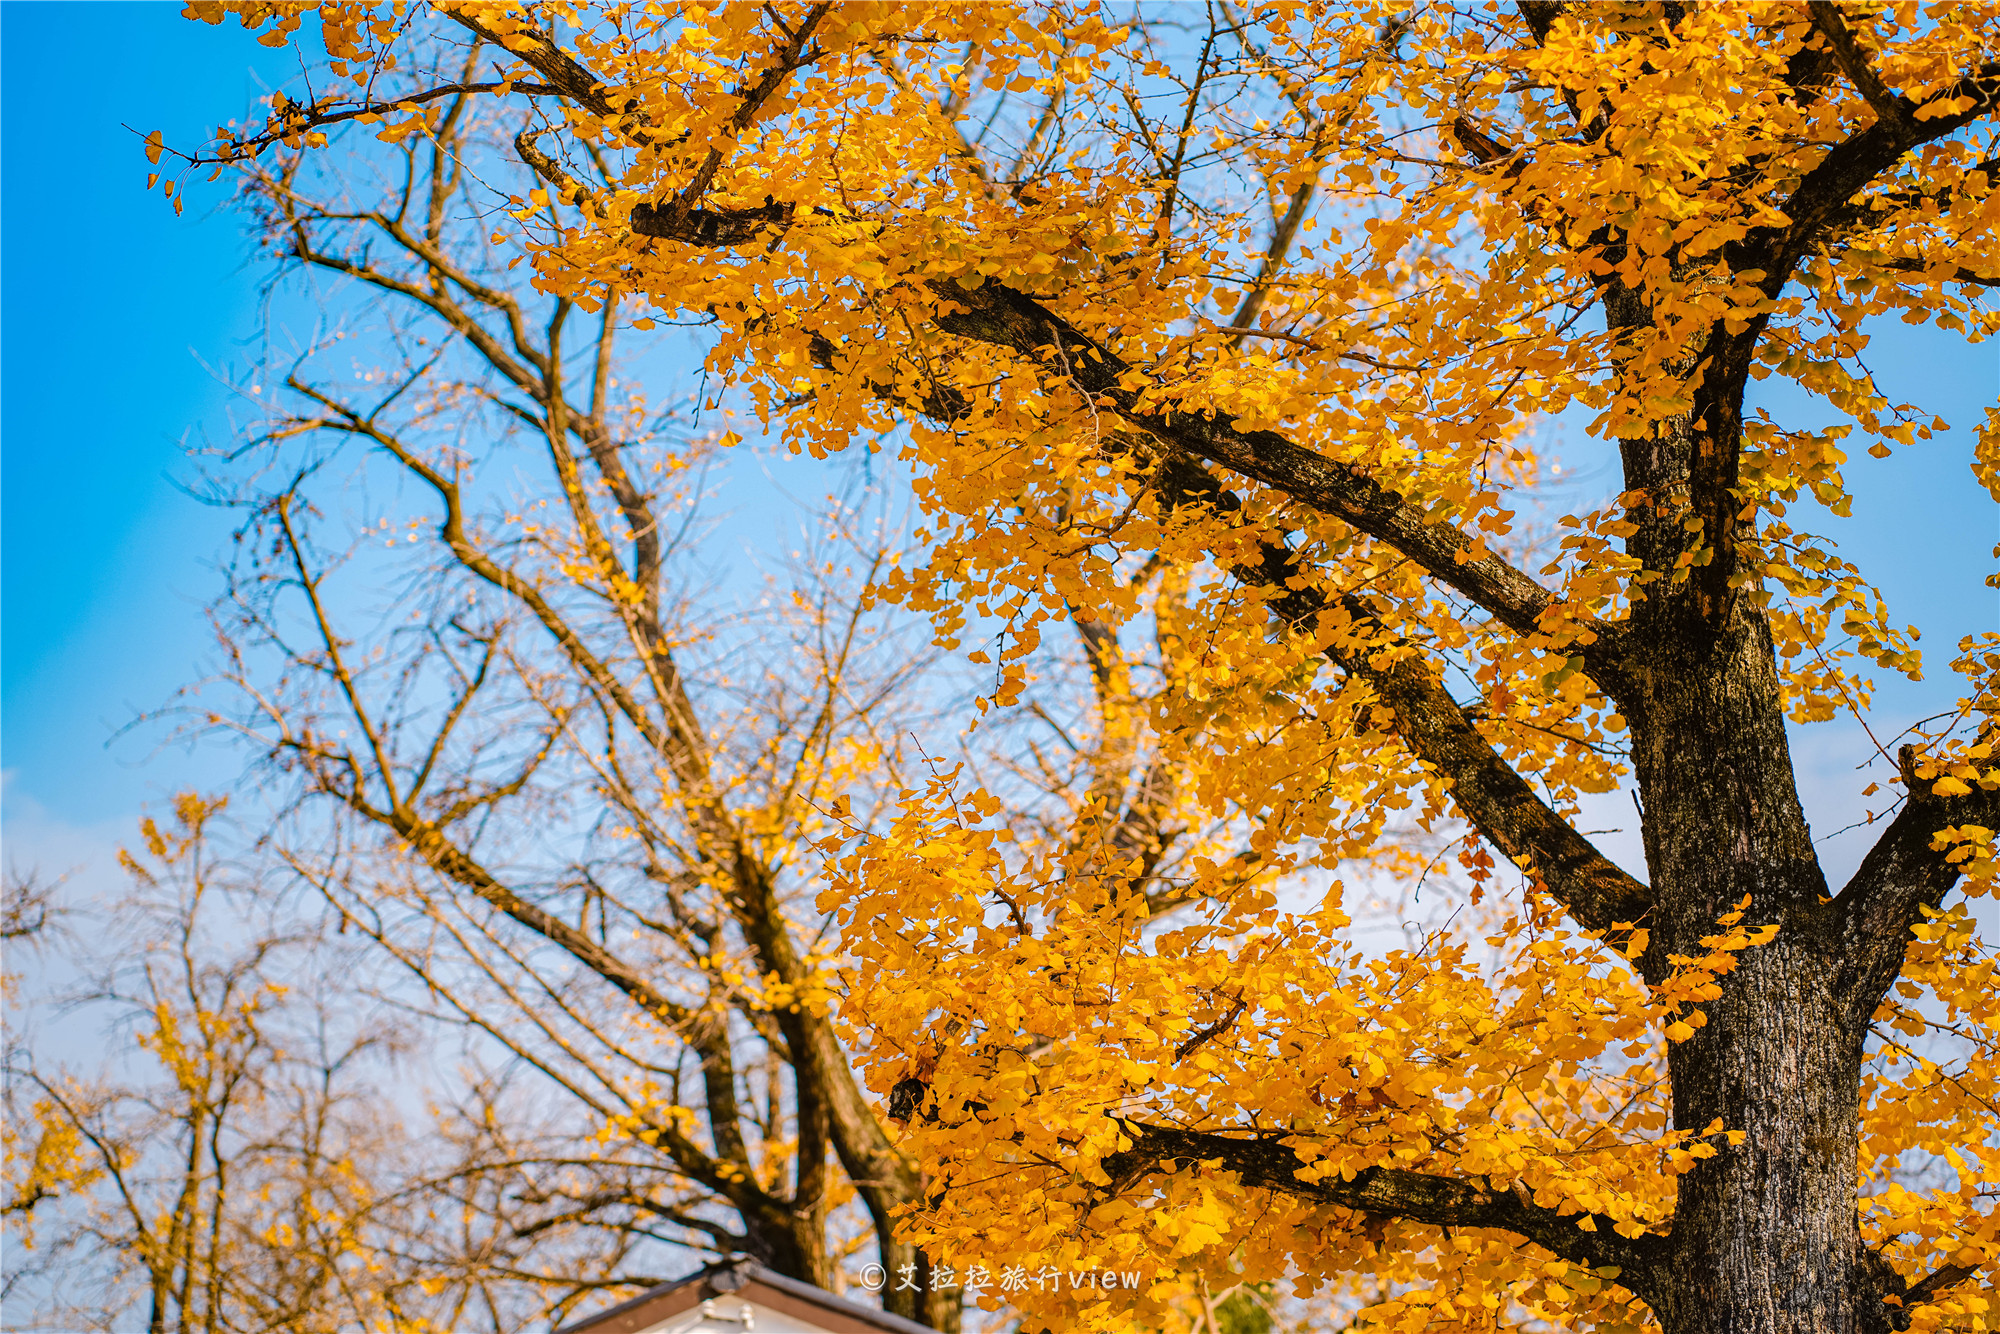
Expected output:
(1764, 1235)
(1764, 1239)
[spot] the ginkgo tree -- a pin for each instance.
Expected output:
(1264, 301)
(518, 743)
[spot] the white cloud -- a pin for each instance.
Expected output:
(36, 840)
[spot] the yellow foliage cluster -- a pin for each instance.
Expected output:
(1095, 355)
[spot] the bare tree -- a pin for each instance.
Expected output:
(567, 798)
(525, 744)
(233, 1162)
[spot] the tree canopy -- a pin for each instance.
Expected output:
(1221, 335)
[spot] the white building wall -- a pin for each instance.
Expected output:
(733, 1315)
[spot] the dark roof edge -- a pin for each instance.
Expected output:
(734, 1275)
(613, 1312)
(821, 1297)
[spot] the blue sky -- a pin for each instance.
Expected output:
(109, 305)
(115, 311)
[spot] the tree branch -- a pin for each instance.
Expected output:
(1850, 165)
(1945, 273)
(1002, 317)
(1487, 790)
(681, 218)
(1269, 1164)
(1900, 877)
(1495, 798)
(1541, 16)
(1929, 1287)
(1499, 803)
(300, 118)
(1489, 793)
(1817, 204)
(566, 77)
(998, 315)
(1889, 109)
